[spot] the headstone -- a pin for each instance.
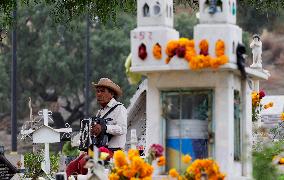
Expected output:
(7, 170)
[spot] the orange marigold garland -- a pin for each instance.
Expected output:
(204, 47)
(157, 51)
(203, 60)
(171, 49)
(183, 48)
(221, 58)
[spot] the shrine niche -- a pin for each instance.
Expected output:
(213, 6)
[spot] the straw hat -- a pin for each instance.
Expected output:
(106, 82)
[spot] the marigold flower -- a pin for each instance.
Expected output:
(173, 173)
(137, 163)
(209, 166)
(282, 116)
(146, 171)
(161, 161)
(281, 161)
(157, 51)
(171, 48)
(132, 153)
(220, 48)
(113, 176)
(128, 172)
(119, 158)
(269, 105)
(186, 159)
(147, 178)
(204, 46)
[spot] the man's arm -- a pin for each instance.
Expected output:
(121, 127)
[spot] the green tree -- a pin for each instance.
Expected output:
(65, 10)
(253, 21)
(184, 23)
(51, 59)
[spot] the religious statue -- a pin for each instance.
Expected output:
(256, 46)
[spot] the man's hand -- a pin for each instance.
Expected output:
(96, 129)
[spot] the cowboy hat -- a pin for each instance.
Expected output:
(106, 82)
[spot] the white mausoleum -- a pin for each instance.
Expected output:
(206, 112)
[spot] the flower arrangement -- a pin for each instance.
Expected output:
(157, 51)
(257, 106)
(206, 168)
(133, 166)
(184, 48)
(203, 60)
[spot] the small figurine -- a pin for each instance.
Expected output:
(256, 46)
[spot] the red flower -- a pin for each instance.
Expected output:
(180, 51)
(142, 52)
(261, 94)
(157, 150)
(103, 149)
(106, 150)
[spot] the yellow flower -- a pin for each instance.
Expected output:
(132, 153)
(137, 163)
(173, 172)
(113, 176)
(269, 105)
(146, 171)
(282, 116)
(104, 155)
(186, 159)
(119, 158)
(281, 161)
(161, 161)
(128, 172)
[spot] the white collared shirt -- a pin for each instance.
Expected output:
(118, 126)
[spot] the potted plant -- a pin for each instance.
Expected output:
(70, 152)
(32, 162)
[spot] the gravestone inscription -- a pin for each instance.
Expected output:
(7, 170)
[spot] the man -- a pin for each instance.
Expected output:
(116, 128)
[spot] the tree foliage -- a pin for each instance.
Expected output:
(51, 59)
(104, 10)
